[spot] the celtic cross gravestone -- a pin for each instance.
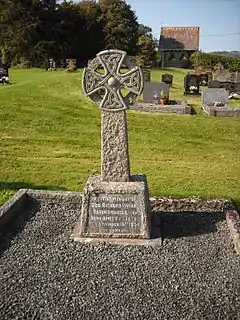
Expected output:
(115, 203)
(105, 89)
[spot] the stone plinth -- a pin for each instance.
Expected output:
(114, 209)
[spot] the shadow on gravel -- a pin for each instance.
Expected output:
(10, 230)
(184, 224)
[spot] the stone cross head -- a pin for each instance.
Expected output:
(105, 88)
(102, 82)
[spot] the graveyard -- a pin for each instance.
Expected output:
(158, 227)
(46, 117)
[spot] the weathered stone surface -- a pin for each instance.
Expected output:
(180, 107)
(221, 112)
(233, 221)
(112, 81)
(9, 209)
(114, 206)
(115, 209)
(115, 157)
(211, 95)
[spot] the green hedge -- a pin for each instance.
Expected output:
(210, 60)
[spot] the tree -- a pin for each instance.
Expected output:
(146, 46)
(120, 26)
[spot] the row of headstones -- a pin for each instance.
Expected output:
(154, 92)
(68, 64)
(166, 78)
(192, 83)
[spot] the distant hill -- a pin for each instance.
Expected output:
(234, 54)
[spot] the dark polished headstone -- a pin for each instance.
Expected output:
(204, 79)
(228, 85)
(4, 76)
(210, 76)
(214, 84)
(146, 74)
(192, 84)
(167, 78)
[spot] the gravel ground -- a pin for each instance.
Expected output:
(46, 275)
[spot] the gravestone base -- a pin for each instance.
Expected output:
(114, 212)
(192, 93)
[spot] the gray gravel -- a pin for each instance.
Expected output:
(45, 275)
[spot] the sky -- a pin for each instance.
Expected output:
(219, 20)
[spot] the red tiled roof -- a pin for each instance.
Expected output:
(186, 38)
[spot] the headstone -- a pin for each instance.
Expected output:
(167, 78)
(51, 65)
(63, 64)
(235, 76)
(218, 66)
(203, 79)
(212, 95)
(146, 74)
(220, 75)
(191, 84)
(198, 70)
(154, 91)
(236, 87)
(71, 65)
(228, 86)
(214, 84)
(115, 204)
(4, 76)
(210, 76)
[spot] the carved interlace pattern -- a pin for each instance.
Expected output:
(103, 85)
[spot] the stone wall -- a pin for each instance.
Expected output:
(179, 108)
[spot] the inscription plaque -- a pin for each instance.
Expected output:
(114, 214)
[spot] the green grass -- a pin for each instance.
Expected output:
(50, 139)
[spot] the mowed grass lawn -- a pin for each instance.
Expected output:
(50, 139)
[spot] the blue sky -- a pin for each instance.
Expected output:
(219, 20)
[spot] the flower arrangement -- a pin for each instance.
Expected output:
(193, 89)
(218, 104)
(156, 97)
(4, 80)
(164, 98)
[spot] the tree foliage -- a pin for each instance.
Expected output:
(210, 60)
(32, 31)
(146, 46)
